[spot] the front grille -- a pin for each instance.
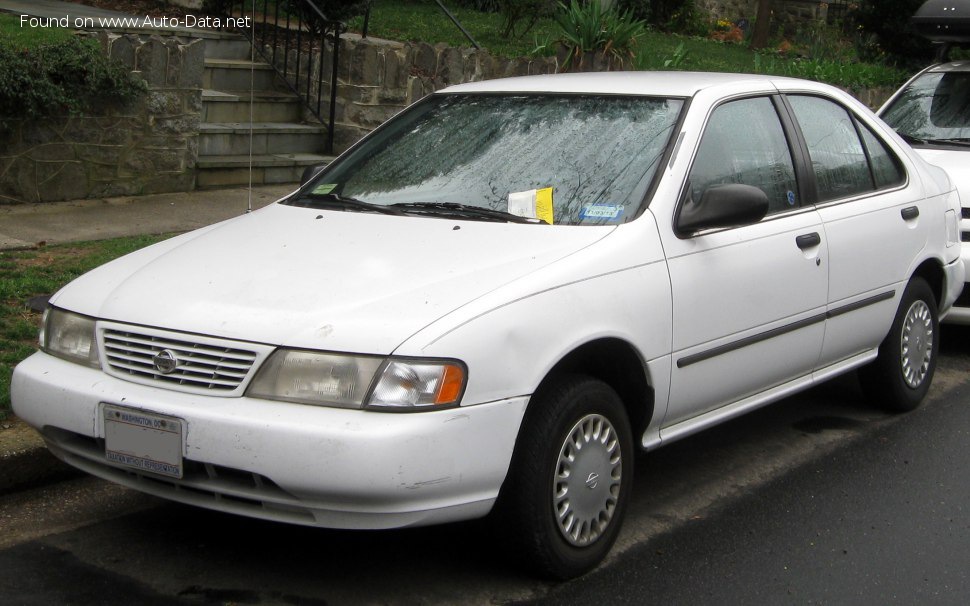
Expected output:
(202, 366)
(965, 211)
(965, 236)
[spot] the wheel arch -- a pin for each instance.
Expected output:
(931, 271)
(618, 364)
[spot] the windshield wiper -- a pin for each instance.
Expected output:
(953, 141)
(463, 210)
(911, 139)
(348, 203)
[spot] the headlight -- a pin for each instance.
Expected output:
(310, 377)
(69, 336)
(343, 381)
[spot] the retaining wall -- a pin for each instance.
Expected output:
(378, 78)
(147, 146)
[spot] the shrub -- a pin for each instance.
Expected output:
(588, 28)
(68, 77)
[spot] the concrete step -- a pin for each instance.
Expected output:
(229, 47)
(234, 106)
(239, 74)
(233, 138)
(221, 171)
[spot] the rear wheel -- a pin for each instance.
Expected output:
(564, 499)
(901, 375)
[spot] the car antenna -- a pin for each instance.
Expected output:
(252, 93)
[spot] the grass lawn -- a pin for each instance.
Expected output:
(820, 56)
(12, 34)
(24, 274)
(422, 20)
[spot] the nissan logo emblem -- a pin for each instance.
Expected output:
(165, 361)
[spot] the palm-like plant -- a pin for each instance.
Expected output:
(588, 28)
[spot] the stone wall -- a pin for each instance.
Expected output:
(794, 12)
(378, 78)
(784, 11)
(148, 146)
(731, 10)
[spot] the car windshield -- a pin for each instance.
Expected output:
(568, 159)
(933, 108)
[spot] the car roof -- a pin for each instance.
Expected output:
(952, 66)
(663, 84)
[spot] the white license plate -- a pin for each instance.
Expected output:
(142, 440)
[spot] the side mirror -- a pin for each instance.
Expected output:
(310, 172)
(728, 205)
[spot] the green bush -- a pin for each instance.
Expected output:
(72, 76)
(587, 28)
(680, 16)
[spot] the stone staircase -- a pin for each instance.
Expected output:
(246, 109)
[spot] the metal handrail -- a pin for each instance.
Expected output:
(300, 26)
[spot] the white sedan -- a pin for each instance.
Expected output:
(486, 304)
(931, 112)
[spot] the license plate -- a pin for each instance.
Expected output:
(144, 441)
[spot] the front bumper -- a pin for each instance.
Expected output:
(302, 464)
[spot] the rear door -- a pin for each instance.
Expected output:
(873, 219)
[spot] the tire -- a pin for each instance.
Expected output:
(901, 374)
(564, 499)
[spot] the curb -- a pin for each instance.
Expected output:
(26, 462)
(32, 468)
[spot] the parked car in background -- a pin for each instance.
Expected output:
(932, 113)
(485, 306)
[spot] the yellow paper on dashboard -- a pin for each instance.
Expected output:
(544, 205)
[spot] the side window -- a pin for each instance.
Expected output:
(839, 160)
(744, 143)
(886, 169)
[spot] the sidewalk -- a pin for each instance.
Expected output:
(23, 459)
(26, 225)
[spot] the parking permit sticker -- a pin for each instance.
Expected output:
(601, 212)
(791, 198)
(532, 203)
(325, 188)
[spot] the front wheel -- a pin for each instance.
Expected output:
(564, 499)
(901, 375)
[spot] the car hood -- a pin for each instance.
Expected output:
(319, 279)
(954, 162)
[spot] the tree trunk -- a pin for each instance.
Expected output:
(759, 38)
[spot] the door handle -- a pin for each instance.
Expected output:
(806, 241)
(909, 213)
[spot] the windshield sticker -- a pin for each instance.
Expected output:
(325, 188)
(601, 212)
(532, 204)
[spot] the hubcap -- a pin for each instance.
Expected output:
(587, 481)
(916, 343)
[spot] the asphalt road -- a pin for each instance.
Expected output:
(817, 499)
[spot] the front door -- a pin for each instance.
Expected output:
(749, 302)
